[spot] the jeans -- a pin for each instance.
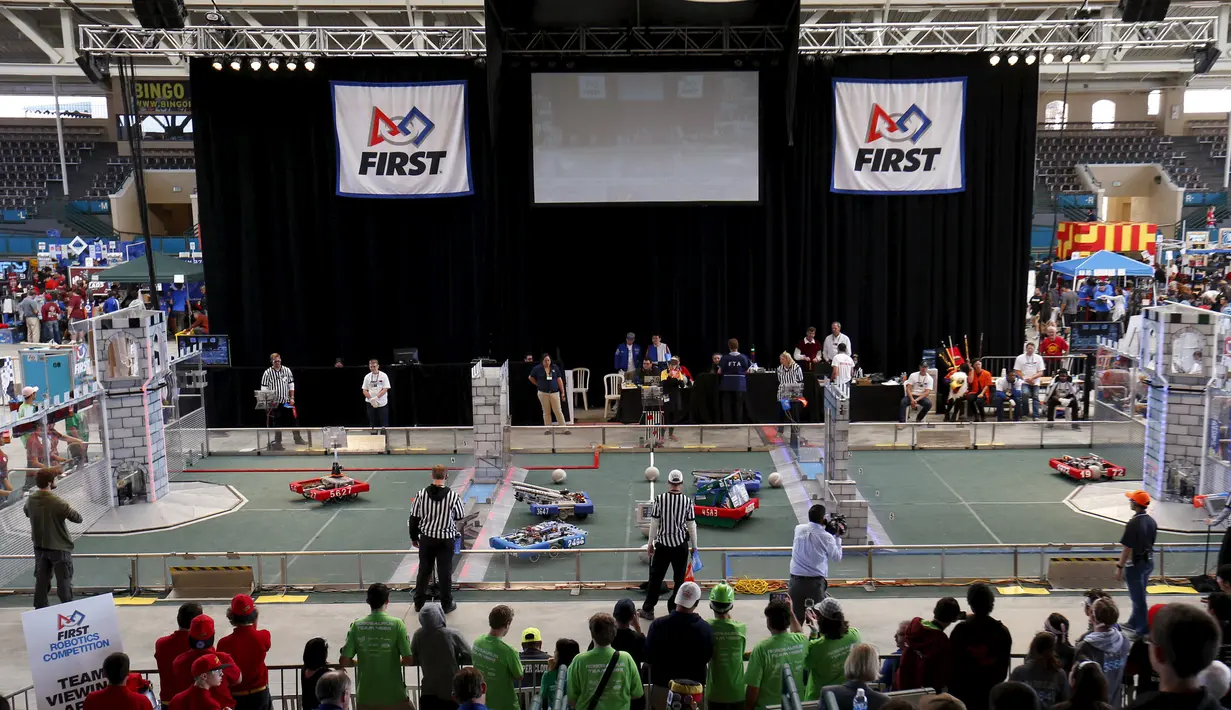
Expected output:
(1018, 411)
(677, 558)
(51, 331)
(925, 406)
(435, 554)
(801, 589)
(1031, 391)
(378, 416)
(1136, 577)
(46, 562)
(550, 402)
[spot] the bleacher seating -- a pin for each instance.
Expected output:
(118, 169)
(30, 158)
(1059, 153)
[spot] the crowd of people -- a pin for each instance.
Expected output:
(952, 658)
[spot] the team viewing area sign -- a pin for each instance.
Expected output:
(402, 140)
(899, 137)
(67, 644)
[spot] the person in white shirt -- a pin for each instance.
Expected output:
(917, 388)
(1029, 367)
(813, 547)
(1198, 366)
(658, 352)
(843, 368)
(830, 347)
(376, 393)
(1009, 391)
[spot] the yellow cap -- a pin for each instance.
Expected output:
(531, 635)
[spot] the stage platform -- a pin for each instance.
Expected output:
(1107, 501)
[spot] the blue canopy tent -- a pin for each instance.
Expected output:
(1103, 263)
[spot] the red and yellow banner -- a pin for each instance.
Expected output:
(1089, 237)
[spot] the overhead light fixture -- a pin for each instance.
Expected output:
(236, 64)
(994, 59)
(1030, 59)
(1048, 58)
(273, 64)
(217, 63)
(309, 64)
(1068, 57)
(291, 64)
(1012, 59)
(1204, 58)
(255, 64)
(1085, 57)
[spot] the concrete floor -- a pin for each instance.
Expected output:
(876, 615)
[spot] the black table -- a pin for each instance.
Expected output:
(761, 403)
(877, 403)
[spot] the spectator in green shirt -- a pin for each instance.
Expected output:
(378, 644)
(785, 645)
(826, 655)
(498, 661)
(725, 682)
(588, 669)
(566, 651)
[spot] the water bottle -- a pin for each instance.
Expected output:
(861, 700)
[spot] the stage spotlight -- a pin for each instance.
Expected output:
(994, 59)
(1012, 59)
(1048, 58)
(1085, 57)
(291, 64)
(255, 64)
(309, 64)
(217, 64)
(1030, 59)
(236, 64)
(1068, 57)
(274, 64)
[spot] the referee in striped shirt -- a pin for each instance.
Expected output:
(281, 382)
(433, 529)
(673, 539)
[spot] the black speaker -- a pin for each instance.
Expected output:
(96, 69)
(1144, 10)
(161, 14)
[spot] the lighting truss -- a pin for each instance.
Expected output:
(1111, 35)
(1095, 34)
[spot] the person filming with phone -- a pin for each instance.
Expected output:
(817, 543)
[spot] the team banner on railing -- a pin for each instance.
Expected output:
(899, 137)
(67, 644)
(402, 140)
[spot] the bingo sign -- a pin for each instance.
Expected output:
(67, 644)
(162, 98)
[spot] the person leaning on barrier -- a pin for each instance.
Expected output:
(439, 651)
(117, 695)
(333, 690)
(379, 643)
(169, 647)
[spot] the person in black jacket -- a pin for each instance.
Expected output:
(1183, 642)
(315, 665)
(981, 648)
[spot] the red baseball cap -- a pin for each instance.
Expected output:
(207, 664)
(201, 629)
(1153, 612)
(242, 605)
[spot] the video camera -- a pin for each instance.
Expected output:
(835, 525)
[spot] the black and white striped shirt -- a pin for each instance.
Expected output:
(281, 381)
(437, 517)
(673, 511)
(790, 381)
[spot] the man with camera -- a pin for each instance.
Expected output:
(817, 543)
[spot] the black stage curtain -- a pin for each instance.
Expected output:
(293, 268)
(422, 395)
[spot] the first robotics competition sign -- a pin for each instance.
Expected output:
(67, 644)
(899, 137)
(402, 140)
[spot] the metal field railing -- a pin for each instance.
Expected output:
(397, 440)
(590, 568)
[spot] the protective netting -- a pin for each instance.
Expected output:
(185, 441)
(87, 489)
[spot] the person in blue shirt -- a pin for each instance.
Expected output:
(112, 304)
(1085, 296)
(469, 689)
(1101, 300)
(733, 382)
(628, 354)
(178, 295)
(812, 549)
(549, 380)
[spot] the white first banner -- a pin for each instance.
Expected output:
(899, 137)
(402, 140)
(67, 644)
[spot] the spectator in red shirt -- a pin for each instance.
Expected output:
(51, 319)
(117, 695)
(200, 322)
(1053, 349)
(200, 644)
(76, 307)
(208, 673)
(248, 645)
(168, 648)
